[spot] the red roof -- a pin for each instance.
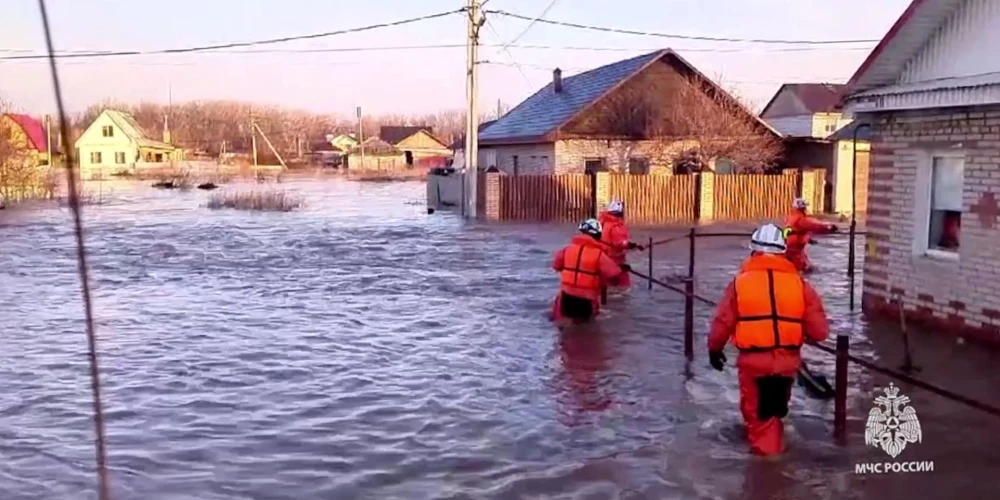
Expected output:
(34, 129)
(816, 97)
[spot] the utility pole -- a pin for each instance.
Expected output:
(476, 21)
(499, 109)
(361, 138)
(253, 139)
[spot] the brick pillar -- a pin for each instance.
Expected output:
(603, 190)
(809, 191)
(707, 197)
(493, 209)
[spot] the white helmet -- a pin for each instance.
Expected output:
(768, 238)
(591, 227)
(616, 207)
(800, 203)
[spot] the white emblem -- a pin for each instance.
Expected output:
(891, 423)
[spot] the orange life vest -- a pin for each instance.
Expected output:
(771, 305)
(582, 266)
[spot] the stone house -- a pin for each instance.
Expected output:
(575, 124)
(930, 91)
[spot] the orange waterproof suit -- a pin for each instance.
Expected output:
(769, 311)
(798, 227)
(616, 237)
(584, 270)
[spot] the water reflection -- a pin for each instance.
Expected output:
(585, 362)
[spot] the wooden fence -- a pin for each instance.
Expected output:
(650, 200)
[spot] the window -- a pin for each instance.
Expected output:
(942, 215)
(514, 158)
(638, 166)
(159, 157)
(594, 165)
(120, 157)
(95, 157)
(108, 131)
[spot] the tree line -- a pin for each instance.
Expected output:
(211, 127)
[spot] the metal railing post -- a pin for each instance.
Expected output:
(649, 284)
(689, 299)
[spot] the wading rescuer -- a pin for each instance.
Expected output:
(584, 269)
(617, 239)
(798, 228)
(769, 311)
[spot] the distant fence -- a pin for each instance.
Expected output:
(651, 200)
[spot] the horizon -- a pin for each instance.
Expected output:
(415, 68)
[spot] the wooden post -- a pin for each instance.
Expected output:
(840, 390)
(649, 256)
(697, 198)
(689, 299)
(593, 194)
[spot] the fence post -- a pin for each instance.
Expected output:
(840, 389)
(689, 300)
(696, 213)
(649, 283)
(593, 194)
(798, 182)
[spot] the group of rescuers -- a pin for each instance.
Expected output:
(769, 310)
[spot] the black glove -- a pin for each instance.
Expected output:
(717, 359)
(626, 268)
(632, 245)
(834, 228)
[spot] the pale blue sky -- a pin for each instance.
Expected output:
(414, 80)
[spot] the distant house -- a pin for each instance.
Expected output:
(930, 91)
(808, 115)
(415, 142)
(458, 147)
(599, 120)
(28, 133)
(343, 142)
(116, 143)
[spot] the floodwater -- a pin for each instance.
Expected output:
(362, 349)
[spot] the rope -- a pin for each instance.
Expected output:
(992, 410)
(81, 257)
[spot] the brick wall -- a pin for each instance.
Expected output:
(958, 296)
(571, 155)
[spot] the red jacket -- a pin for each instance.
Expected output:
(608, 268)
(802, 225)
(815, 327)
(615, 235)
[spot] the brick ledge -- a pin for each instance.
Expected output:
(875, 306)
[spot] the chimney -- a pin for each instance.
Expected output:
(557, 80)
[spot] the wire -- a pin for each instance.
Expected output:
(510, 55)
(681, 37)
(81, 257)
(205, 48)
(532, 23)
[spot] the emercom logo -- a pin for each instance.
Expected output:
(892, 425)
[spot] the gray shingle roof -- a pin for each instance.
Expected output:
(546, 110)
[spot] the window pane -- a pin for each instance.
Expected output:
(947, 184)
(943, 230)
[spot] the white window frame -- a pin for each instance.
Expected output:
(922, 208)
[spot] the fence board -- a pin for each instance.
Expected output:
(753, 196)
(545, 197)
(655, 199)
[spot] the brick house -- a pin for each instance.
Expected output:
(931, 92)
(574, 124)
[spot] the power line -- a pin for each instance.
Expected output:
(680, 37)
(233, 45)
(724, 81)
(532, 23)
(84, 54)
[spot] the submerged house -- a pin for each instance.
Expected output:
(29, 134)
(629, 116)
(930, 92)
(414, 143)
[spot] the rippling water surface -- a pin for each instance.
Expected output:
(361, 348)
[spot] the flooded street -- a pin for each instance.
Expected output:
(362, 349)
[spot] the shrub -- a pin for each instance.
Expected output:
(269, 200)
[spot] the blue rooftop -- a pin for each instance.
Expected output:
(546, 110)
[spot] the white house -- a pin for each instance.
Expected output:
(931, 92)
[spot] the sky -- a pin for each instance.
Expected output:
(335, 74)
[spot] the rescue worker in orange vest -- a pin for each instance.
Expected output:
(617, 239)
(584, 269)
(798, 227)
(769, 311)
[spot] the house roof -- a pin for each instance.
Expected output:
(33, 129)
(539, 116)
(816, 97)
(395, 134)
(460, 142)
(903, 41)
(324, 146)
(130, 127)
(846, 133)
(376, 146)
